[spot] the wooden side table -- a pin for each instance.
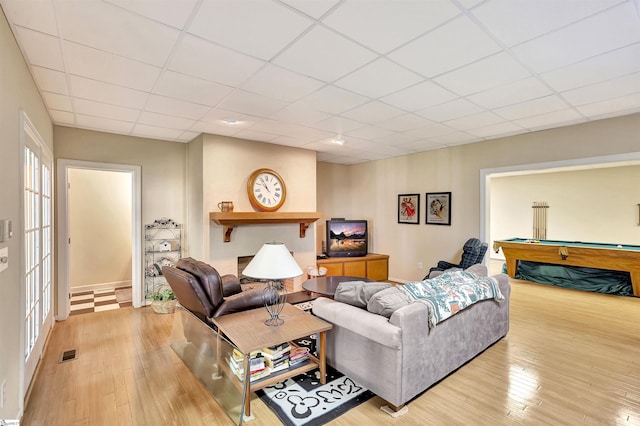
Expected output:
(249, 333)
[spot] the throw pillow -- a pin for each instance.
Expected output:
(387, 301)
(358, 293)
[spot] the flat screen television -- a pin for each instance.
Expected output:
(347, 238)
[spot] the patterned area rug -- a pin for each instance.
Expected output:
(302, 400)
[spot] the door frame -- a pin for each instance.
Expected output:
(62, 181)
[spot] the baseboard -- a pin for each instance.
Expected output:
(100, 286)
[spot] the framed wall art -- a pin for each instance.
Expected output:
(438, 208)
(409, 208)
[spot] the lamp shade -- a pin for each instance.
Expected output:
(272, 262)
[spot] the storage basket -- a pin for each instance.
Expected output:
(164, 307)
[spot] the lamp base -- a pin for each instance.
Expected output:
(274, 322)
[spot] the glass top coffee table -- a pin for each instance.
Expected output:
(327, 285)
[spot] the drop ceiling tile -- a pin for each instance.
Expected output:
(594, 70)
(422, 145)
(430, 130)
(334, 100)
(190, 89)
(512, 93)
(456, 138)
(142, 130)
(221, 117)
(612, 107)
(50, 80)
(325, 55)
(134, 37)
(399, 139)
(378, 78)
(469, 4)
(384, 26)
(174, 13)
(338, 125)
(163, 120)
(313, 8)
(254, 135)
(62, 117)
(41, 49)
(288, 129)
(372, 112)
(36, 15)
(252, 104)
(58, 101)
(403, 123)
(168, 106)
(300, 113)
(203, 59)
(188, 136)
(606, 90)
(240, 24)
(450, 110)
(482, 75)
(370, 132)
(108, 93)
(213, 129)
(103, 124)
(288, 141)
(514, 22)
(549, 120)
(455, 44)
(95, 64)
(496, 130)
(99, 109)
(420, 96)
(279, 83)
(532, 107)
(582, 40)
(474, 121)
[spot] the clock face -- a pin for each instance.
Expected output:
(266, 190)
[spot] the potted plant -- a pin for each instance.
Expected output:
(164, 300)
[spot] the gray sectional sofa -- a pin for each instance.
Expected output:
(399, 357)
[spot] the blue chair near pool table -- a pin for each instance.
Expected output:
(473, 252)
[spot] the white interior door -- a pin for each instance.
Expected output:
(37, 238)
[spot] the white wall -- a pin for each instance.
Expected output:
(100, 228)
(375, 186)
(596, 205)
(17, 92)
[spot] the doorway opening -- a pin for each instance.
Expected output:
(99, 235)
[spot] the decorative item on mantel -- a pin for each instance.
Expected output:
(274, 263)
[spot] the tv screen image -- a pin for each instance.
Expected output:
(347, 238)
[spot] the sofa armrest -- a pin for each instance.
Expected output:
(360, 321)
(230, 285)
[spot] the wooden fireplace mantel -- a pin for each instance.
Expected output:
(231, 220)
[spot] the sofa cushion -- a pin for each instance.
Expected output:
(358, 293)
(387, 301)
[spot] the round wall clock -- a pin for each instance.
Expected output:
(266, 190)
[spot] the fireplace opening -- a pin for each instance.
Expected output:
(243, 262)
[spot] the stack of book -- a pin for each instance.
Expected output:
(276, 357)
(298, 355)
(257, 366)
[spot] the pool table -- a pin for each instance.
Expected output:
(617, 257)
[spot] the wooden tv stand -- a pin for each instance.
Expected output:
(372, 266)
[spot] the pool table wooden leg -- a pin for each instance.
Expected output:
(512, 265)
(635, 282)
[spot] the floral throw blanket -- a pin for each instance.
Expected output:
(451, 292)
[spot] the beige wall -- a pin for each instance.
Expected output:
(597, 205)
(163, 165)
(376, 185)
(17, 92)
(227, 163)
(100, 228)
(195, 235)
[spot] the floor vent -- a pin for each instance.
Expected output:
(69, 355)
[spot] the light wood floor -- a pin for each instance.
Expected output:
(570, 358)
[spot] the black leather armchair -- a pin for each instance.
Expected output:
(473, 253)
(200, 289)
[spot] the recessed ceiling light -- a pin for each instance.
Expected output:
(231, 121)
(339, 141)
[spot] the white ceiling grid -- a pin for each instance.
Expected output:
(388, 77)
